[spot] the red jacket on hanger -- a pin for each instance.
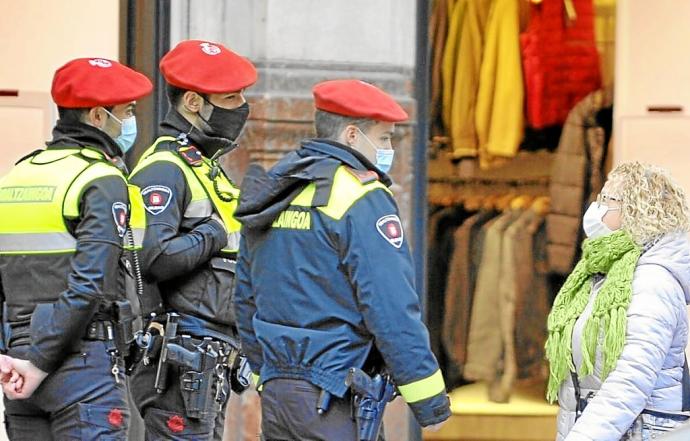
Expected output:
(560, 59)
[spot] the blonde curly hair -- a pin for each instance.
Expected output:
(652, 203)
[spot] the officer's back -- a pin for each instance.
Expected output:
(324, 279)
(66, 220)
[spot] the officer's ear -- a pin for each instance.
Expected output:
(96, 116)
(192, 101)
(350, 135)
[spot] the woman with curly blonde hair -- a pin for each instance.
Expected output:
(618, 328)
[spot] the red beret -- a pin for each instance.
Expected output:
(207, 67)
(91, 82)
(357, 99)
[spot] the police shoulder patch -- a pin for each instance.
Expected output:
(363, 176)
(390, 228)
(191, 155)
(156, 198)
(120, 212)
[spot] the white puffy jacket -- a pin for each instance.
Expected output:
(650, 370)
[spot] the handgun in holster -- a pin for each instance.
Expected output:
(370, 397)
(199, 366)
(169, 335)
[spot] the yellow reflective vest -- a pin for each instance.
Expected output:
(45, 189)
(211, 190)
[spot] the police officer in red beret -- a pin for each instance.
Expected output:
(69, 230)
(325, 279)
(191, 244)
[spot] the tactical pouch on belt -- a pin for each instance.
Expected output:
(125, 329)
(240, 375)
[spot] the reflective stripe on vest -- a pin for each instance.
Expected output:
(137, 218)
(204, 197)
(39, 193)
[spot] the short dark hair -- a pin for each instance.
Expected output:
(329, 125)
(72, 115)
(77, 115)
(175, 93)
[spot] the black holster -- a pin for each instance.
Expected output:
(197, 393)
(203, 374)
(125, 329)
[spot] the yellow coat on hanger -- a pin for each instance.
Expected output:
(500, 99)
(466, 81)
(450, 57)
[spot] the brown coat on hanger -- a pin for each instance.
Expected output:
(577, 176)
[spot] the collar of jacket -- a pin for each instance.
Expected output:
(265, 194)
(344, 154)
(78, 134)
(174, 124)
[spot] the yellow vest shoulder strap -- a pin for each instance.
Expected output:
(151, 156)
(348, 187)
(95, 170)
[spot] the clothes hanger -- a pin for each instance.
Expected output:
(541, 205)
(521, 202)
(489, 202)
(473, 203)
(503, 203)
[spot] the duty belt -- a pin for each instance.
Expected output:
(97, 330)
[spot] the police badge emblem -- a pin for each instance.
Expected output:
(390, 228)
(120, 216)
(156, 198)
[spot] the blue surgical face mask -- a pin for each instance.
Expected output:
(128, 132)
(384, 157)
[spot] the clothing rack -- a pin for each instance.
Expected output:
(451, 191)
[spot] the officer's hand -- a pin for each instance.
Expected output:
(7, 372)
(217, 218)
(435, 427)
(32, 378)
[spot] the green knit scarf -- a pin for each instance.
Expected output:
(615, 255)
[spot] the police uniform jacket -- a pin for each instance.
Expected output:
(181, 247)
(63, 218)
(325, 275)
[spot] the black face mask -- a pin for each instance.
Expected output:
(227, 123)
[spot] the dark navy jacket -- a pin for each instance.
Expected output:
(180, 243)
(325, 273)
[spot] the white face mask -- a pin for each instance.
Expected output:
(593, 223)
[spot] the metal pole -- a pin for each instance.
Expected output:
(419, 189)
(161, 47)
